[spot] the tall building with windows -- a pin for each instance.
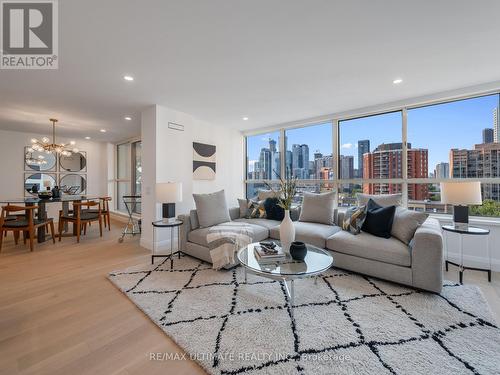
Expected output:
(300, 161)
(442, 170)
(481, 162)
(363, 147)
(386, 161)
(496, 124)
(488, 135)
(323, 167)
(346, 166)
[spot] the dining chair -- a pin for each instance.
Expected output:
(104, 211)
(25, 224)
(81, 217)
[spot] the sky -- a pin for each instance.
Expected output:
(437, 128)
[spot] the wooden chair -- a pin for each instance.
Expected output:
(80, 218)
(23, 224)
(104, 211)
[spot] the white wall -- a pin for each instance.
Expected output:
(173, 161)
(12, 168)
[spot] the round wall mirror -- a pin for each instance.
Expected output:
(73, 184)
(75, 162)
(39, 182)
(39, 161)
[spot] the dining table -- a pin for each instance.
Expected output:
(65, 200)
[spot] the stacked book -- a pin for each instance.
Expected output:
(268, 252)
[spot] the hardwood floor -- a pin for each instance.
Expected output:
(60, 315)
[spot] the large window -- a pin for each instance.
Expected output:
(263, 157)
(370, 148)
(454, 140)
(408, 151)
(309, 152)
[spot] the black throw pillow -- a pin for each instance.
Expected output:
(378, 219)
(273, 211)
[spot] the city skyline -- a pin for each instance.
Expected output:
(461, 126)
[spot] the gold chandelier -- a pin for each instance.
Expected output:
(45, 145)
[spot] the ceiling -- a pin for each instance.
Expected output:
(273, 61)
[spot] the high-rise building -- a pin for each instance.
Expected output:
(442, 170)
(288, 163)
(323, 166)
(363, 147)
(488, 135)
(496, 124)
(346, 166)
(481, 162)
(265, 164)
(386, 161)
(300, 161)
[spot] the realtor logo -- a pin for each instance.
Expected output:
(29, 37)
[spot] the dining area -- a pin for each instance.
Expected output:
(53, 202)
(27, 218)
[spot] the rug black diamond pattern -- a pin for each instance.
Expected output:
(344, 324)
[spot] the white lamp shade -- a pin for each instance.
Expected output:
(169, 192)
(461, 193)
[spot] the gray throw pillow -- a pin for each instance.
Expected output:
(406, 223)
(244, 205)
(318, 208)
(353, 219)
(384, 200)
(211, 209)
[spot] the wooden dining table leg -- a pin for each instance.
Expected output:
(42, 215)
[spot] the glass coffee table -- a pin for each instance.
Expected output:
(315, 263)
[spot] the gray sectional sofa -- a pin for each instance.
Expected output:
(418, 264)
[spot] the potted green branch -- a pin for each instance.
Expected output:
(286, 193)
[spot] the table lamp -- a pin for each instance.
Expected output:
(168, 193)
(461, 195)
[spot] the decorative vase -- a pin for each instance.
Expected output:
(287, 232)
(298, 250)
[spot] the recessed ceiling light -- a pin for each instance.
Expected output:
(244, 118)
(87, 137)
(103, 130)
(397, 81)
(128, 78)
(128, 118)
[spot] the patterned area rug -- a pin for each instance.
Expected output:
(345, 324)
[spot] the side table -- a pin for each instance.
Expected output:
(472, 231)
(167, 224)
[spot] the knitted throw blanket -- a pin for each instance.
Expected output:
(225, 239)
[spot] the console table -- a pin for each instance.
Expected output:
(464, 231)
(165, 223)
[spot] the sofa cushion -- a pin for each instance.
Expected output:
(318, 208)
(199, 236)
(311, 233)
(383, 200)
(364, 245)
(266, 223)
(406, 222)
(211, 209)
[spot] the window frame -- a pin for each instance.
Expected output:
(335, 123)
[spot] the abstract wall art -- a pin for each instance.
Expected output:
(204, 159)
